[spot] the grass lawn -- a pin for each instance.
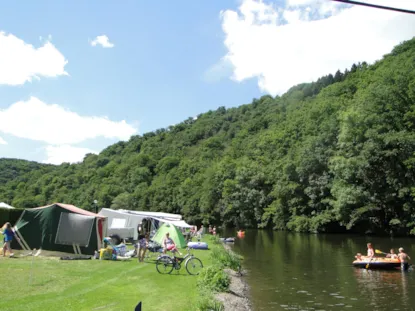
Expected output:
(40, 283)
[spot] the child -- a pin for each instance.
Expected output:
(403, 257)
(392, 254)
(143, 244)
(370, 251)
(8, 238)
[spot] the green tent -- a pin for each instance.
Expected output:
(175, 235)
(60, 228)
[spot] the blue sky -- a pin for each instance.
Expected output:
(61, 96)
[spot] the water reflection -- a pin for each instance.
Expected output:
(290, 271)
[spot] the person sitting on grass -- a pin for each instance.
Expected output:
(8, 238)
(169, 244)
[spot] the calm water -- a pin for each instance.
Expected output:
(289, 271)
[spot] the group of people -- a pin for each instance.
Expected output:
(143, 244)
(402, 256)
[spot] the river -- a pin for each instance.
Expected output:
(292, 271)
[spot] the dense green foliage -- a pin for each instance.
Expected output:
(13, 168)
(227, 259)
(337, 154)
(213, 278)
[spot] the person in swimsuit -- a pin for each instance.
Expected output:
(392, 254)
(143, 244)
(404, 258)
(370, 251)
(169, 244)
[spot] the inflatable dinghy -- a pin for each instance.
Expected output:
(377, 263)
(228, 240)
(197, 245)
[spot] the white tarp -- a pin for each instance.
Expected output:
(153, 214)
(177, 223)
(5, 205)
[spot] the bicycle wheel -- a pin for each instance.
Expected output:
(164, 265)
(194, 266)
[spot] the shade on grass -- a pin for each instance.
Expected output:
(94, 285)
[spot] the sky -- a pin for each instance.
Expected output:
(78, 76)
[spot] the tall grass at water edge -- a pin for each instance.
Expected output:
(213, 279)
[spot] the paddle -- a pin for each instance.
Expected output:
(380, 252)
(367, 266)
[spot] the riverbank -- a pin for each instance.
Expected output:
(237, 297)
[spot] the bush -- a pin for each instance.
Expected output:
(227, 259)
(206, 302)
(214, 279)
(214, 239)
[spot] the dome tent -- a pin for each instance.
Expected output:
(175, 235)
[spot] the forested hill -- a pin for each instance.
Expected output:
(332, 155)
(11, 169)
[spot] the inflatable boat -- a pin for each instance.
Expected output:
(197, 245)
(377, 263)
(227, 240)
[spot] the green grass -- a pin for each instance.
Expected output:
(53, 284)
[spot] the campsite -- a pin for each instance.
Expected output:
(35, 283)
(58, 262)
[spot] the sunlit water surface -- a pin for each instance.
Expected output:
(288, 271)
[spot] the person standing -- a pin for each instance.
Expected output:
(370, 251)
(8, 234)
(404, 258)
(143, 245)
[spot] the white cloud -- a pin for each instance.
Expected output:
(103, 41)
(53, 124)
(2, 141)
(65, 153)
(305, 40)
(21, 62)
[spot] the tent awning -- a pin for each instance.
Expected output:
(177, 223)
(153, 214)
(5, 205)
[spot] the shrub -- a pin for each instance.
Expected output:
(206, 302)
(214, 239)
(214, 278)
(227, 259)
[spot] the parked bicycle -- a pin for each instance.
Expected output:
(165, 263)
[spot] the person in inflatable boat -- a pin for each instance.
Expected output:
(392, 254)
(169, 244)
(370, 252)
(404, 258)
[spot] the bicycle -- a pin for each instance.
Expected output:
(165, 263)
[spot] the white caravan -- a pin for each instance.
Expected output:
(125, 223)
